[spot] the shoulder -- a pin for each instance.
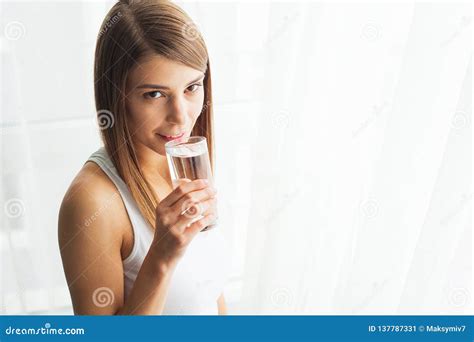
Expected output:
(92, 201)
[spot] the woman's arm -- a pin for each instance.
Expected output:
(148, 295)
(221, 305)
(90, 237)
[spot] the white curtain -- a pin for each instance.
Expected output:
(343, 136)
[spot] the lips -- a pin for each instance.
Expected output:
(171, 137)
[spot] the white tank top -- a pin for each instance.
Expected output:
(201, 273)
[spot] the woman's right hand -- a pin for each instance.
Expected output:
(175, 212)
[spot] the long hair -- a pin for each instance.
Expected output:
(132, 30)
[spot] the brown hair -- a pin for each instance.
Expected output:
(131, 31)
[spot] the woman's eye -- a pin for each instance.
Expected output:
(153, 95)
(192, 88)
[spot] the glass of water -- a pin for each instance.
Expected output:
(188, 159)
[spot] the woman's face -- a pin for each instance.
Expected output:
(164, 98)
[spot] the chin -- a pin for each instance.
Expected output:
(160, 150)
(157, 148)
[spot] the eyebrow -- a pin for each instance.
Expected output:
(157, 86)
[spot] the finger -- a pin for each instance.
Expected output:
(180, 181)
(182, 190)
(196, 210)
(199, 225)
(192, 198)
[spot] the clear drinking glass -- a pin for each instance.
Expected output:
(188, 159)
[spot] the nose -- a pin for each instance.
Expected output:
(177, 111)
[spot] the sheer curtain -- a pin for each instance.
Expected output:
(343, 142)
(346, 159)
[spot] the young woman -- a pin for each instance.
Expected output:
(125, 245)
